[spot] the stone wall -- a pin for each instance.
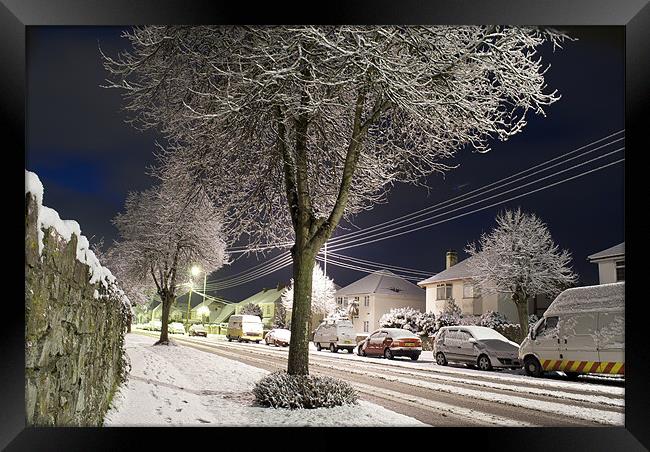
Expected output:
(74, 357)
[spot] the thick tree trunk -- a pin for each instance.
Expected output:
(164, 329)
(522, 312)
(303, 265)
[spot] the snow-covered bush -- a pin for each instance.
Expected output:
(425, 324)
(280, 317)
(446, 319)
(281, 390)
(494, 320)
(401, 318)
(470, 320)
(251, 309)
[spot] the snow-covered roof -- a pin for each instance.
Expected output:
(49, 218)
(265, 296)
(614, 251)
(604, 297)
(382, 282)
(458, 271)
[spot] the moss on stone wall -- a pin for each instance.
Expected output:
(74, 356)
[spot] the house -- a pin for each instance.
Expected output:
(267, 299)
(375, 295)
(200, 310)
(456, 283)
(611, 264)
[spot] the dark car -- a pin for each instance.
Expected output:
(391, 342)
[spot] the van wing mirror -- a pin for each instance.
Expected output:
(472, 340)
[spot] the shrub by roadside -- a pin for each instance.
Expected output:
(281, 390)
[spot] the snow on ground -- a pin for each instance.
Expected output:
(179, 385)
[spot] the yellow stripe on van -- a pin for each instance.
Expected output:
(616, 368)
(575, 366)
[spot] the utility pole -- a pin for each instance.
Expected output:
(325, 270)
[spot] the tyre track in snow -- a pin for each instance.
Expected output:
(421, 394)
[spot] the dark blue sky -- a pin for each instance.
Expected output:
(88, 159)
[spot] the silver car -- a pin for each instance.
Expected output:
(475, 345)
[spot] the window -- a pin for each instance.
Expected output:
(620, 271)
(356, 300)
(468, 290)
(345, 302)
(366, 326)
(443, 292)
(366, 300)
(339, 300)
(547, 326)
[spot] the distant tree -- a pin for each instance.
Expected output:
(292, 128)
(280, 316)
(323, 295)
(520, 258)
(163, 233)
(251, 309)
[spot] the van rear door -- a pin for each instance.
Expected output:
(346, 335)
(611, 337)
(578, 339)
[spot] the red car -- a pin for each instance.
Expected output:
(391, 342)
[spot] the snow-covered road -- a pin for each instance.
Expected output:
(183, 386)
(449, 395)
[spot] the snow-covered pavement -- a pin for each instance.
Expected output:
(182, 386)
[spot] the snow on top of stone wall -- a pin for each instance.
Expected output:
(48, 217)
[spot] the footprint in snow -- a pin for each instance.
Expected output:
(203, 421)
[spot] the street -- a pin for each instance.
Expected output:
(446, 396)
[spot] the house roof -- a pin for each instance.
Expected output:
(458, 271)
(225, 313)
(265, 296)
(614, 251)
(181, 301)
(382, 282)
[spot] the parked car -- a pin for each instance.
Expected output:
(475, 345)
(277, 337)
(336, 335)
(176, 328)
(391, 342)
(582, 331)
(245, 328)
(155, 325)
(198, 330)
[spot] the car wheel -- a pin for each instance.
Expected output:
(414, 357)
(440, 359)
(349, 350)
(333, 348)
(484, 363)
(318, 346)
(229, 339)
(257, 342)
(533, 367)
(388, 354)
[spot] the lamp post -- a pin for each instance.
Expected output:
(194, 271)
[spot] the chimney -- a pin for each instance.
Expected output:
(451, 258)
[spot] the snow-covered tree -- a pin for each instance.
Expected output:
(280, 316)
(251, 309)
(276, 122)
(519, 257)
(323, 295)
(163, 233)
(426, 324)
(492, 319)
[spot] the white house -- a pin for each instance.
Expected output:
(375, 295)
(611, 264)
(455, 283)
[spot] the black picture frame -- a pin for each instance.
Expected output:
(634, 15)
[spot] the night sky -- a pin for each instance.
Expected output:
(88, 159)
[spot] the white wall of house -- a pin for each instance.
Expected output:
(380, 304)
(607, 271)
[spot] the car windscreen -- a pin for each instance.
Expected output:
(487, 333)
(282, 334)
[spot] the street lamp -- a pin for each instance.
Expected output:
(194, 271)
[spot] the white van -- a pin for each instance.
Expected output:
(335, 334)
(245, 328)
(582, 331)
